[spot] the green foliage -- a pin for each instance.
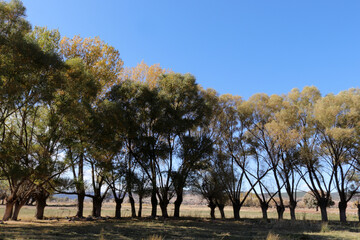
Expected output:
(150, 126)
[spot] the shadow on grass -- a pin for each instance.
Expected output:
(184, 228)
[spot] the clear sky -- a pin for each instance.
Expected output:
(238, 47)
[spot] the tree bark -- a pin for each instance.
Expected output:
(8, 210)
(40, 205)
(17, 207)
(80, 187)
(280, 211)
(80, 204)
(154, 203)
(324, 216)
(132, 203)
(140, 206)
(163, 207)
(358, 207)
(221, 209)
(236, 210)
(342, 210)
(292, 207)
(177, 204)
(118, 202)
(264, 208)
(97, 204)
(212, 207)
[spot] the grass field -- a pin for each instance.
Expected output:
(193, 225)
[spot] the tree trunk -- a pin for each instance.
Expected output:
(324, 216)
(292, 210)
(80, 186)
(8, 210)
(221, 209)
(118, 202)
(40, 205)
(97, 204)
(154, 203)
(132, 203)
(342, 209)
(140, 206)
(163, 206)
(280, 211)
(236, 210)
(358, 207)
(177, 204)
(264, 208)
(80, 205)
(18, 206)
(212, 207)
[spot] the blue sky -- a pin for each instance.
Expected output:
(237, 47)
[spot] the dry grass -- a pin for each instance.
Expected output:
(193, 225)
(189, 228)
(199, 211)
(272, 236)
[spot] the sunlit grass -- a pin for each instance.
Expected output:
(195, 224)
(198, 211)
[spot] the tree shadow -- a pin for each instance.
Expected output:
(184, 228)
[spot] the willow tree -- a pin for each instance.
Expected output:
(144, 73)
(232, 150)
(259, 183)
(186, 114)
(102, 65)
(209, 186)
(260, 111)
(284, 131)
(137, 120)
(30, 75)
(194, 151)
(338, 116)
(195, 146)
(317, 175)
(100, 59)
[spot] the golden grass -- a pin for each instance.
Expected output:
(194, 224)
(199, 211)
(272, 236)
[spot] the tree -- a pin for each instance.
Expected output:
(30, 76)
(141, 188)
(99, 166)
(257, 177)
(232, 153)
(102, 63)
(284, 131)
(80, 91)
(115, 178)
(311, 202)
(135, 114)
(188, 110)
(101, 60)
(260, 111)
(194, 152)
(144, 73)
(337, 118)
(317, 176)
(208, 185)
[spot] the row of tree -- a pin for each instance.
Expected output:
(68, 106)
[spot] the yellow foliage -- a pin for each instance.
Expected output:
(144, 73)
(339, 134)
(102, 60)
